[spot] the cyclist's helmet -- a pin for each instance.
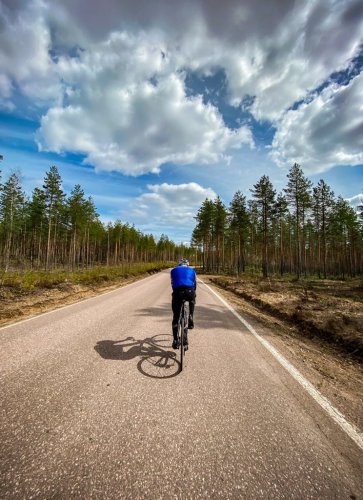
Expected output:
(183, 262)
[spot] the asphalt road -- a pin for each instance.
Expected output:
(93, 406)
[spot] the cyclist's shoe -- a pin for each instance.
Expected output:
(175, 344)
(190, 323)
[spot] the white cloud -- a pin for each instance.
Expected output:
(170, 205)
(24, 54)
(123, 120)
(113, 76)
(356, 201)
(5, 86)
(274, 51)
(294, 48)
(5, 92)
(324, 132)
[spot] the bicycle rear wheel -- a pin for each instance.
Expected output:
(185, 330)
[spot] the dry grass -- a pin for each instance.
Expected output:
(331, 310)
(33, 292)
(31, 280)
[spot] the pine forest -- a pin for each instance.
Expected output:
(53, 231)
(304, 230)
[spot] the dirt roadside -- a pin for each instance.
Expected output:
(337, 375)
(16, 305)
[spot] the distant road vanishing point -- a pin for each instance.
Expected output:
(93, 406)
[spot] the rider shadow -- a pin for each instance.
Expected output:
(155, 360)
(208, 317)
(163, 311)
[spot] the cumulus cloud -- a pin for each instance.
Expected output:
(126, 111)
(113, 76)
(275, 51)
(170, 204)
(324, 132)
(294, 48)
(24, 54)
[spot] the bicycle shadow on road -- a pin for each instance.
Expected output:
(156, 361)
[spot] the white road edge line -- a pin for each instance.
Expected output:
(335, 414)
(73, 304)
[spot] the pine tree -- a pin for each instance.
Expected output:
(298, 195)
(80, 213)
(12, 200)
(219, 229)
(323, 199)
(54, 199)
(264, 195)
(281, 210)
(238, 226)
(36, 224)
(254, 233)
(345, 233)
(202, 234)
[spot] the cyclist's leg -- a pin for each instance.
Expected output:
(191, 310)
(176, 306)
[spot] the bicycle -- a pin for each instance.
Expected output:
(183, 331)
(155, 359)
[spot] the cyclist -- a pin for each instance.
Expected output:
(184, 285)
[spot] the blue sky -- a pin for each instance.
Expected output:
(153, 106)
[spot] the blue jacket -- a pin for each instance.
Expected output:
(183, 276)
